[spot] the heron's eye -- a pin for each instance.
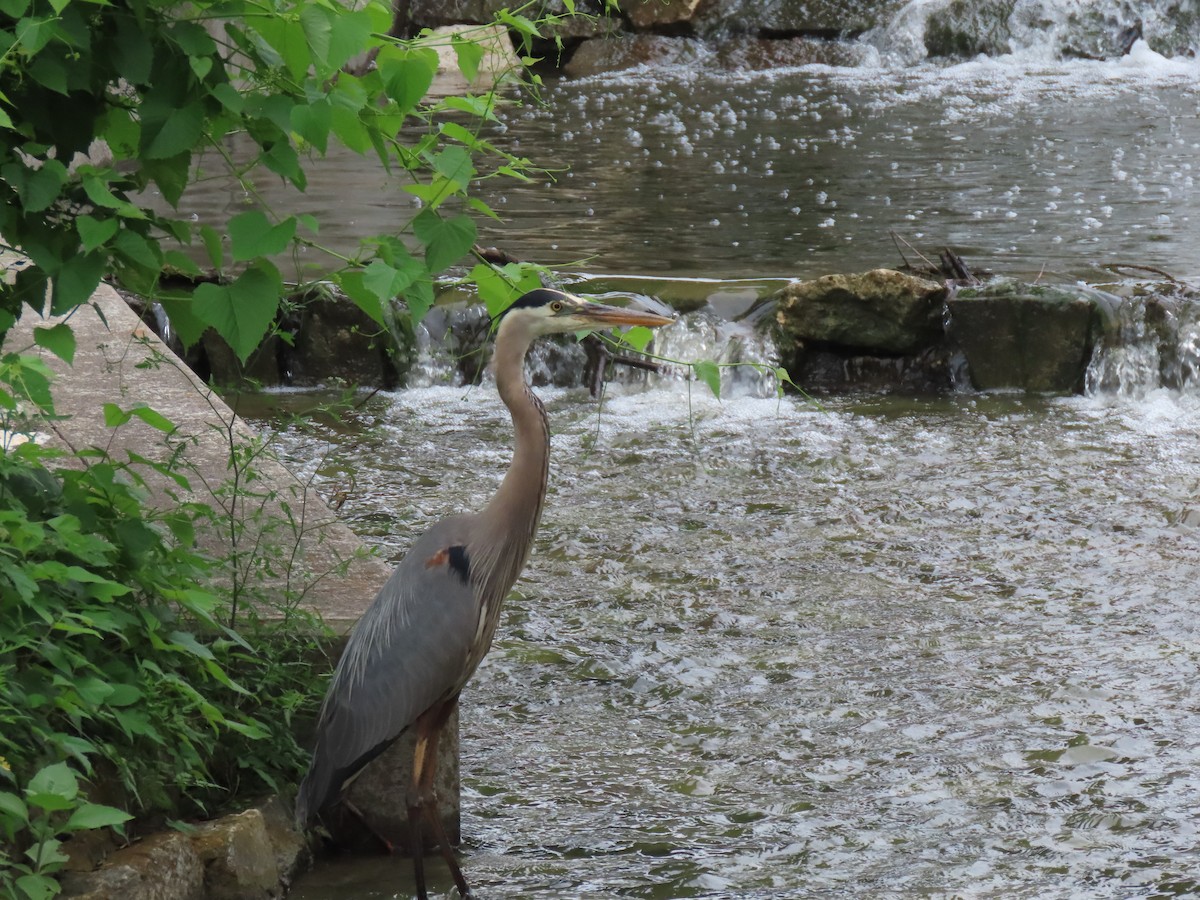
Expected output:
(556, 306)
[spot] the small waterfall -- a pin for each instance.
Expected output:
(1037, 29)
(448, 346)
(1155, 343)
(745, 353)
(451, 347)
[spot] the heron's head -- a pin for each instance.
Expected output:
(547, 311)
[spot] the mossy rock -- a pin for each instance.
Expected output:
(882, 313)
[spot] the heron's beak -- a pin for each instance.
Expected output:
(601, 316)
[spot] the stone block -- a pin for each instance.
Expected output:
(292, 852)
(239, 861)
(624, 51)
(380, 793)
(1025, 337)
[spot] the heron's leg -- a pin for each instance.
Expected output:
(423, 796)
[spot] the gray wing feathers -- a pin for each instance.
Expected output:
(408, 651)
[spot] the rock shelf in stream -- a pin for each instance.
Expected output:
(880, 330)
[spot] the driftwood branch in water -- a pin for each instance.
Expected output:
(598, 358)
(950, 264)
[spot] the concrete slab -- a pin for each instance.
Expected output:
(328, 570)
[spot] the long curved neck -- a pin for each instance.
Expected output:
(512, 516)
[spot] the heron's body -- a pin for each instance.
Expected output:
(432, 623)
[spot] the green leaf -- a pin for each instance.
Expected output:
(518, 23)
(281, 159)
(58, 339)
(170, 132)
(498, 288)
(446, 240)
(419, 298)
(212, 244)
(36, 188)
(457, 132)
(138, 251)
(251, 235)
(47, 854)
(13, 806)
(184, 320)
(312, 122)
(710, 373)
(94, 232)
(407, 74)
(639, 338)
(98, 192)
(34, 34)
(243, 311)
(350, 36)
(95, 815)
(170, 173)
(251, 729)
(76, 281)
(470, 54)
(353, 282)
(53, 787)
(114, 417)
(455, 164)
(317, 22)
(350, 130)
(181, 263)
(435, 193)
(185, 640)
(480, 107)
(38, 887)
(288, 39)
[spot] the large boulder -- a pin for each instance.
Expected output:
(1027, 337)
(795, 17)
(625, 51)
(882, 312)
(649, 14)
(435, 13)
(338, 341)
(499, 60)
(239, 861)
(380, 794)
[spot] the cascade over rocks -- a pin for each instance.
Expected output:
(641, 32)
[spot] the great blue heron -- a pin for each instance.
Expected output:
(414, 649)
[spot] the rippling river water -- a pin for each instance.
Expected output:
(941, 647)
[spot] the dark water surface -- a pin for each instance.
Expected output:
(1052, 170)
